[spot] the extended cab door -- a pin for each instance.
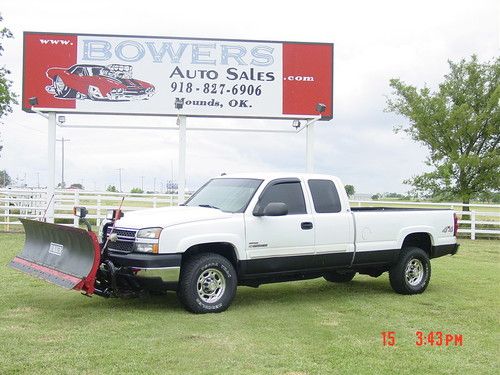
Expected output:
(333, 223)
(280, 243)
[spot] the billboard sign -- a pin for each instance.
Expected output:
(110, 74)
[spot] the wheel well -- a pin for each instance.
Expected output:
(224, 249)
(420, 240)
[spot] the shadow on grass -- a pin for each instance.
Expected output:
(311, 291)
(303, 292)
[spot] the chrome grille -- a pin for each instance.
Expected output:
(125, 242)
(121, 246)
(123, 233)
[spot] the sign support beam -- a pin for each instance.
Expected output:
(310, 148)
(181, 180)
(51, 166)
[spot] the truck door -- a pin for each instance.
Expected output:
(333, 225)
(280, 243)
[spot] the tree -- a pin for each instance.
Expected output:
(137, 190)
(112, 189)
(76, 186)
(7, 96)
(349, 189)
(375, 197)
(459, 124)
(5, 179)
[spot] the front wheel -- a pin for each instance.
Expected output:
(207, 283)
(412, 272)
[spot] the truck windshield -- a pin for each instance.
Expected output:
(226, 194)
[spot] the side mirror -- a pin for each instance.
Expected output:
(273, 209)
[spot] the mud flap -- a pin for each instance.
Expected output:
(65, 256)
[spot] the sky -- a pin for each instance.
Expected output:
(374, 42)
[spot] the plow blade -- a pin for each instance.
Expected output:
(65, 256)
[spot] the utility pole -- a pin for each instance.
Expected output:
(142, 183)
(172, 170)
(62, 140)
(120, 176)
(154, 185)
(38, 180)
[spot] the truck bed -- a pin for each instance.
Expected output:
(362, 209)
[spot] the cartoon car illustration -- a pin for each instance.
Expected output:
(97, 82)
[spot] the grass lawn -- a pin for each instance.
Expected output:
(306, 327)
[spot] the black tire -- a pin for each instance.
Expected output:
(216, 271)
(337, 277)
(62, 91)
(412, 273)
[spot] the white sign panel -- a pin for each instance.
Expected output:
(171, 76)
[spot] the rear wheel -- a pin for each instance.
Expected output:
(337, 277)
(412, 272)
(207, 283)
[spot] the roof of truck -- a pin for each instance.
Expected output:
(274, 175)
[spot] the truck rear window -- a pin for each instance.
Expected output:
(325, 196)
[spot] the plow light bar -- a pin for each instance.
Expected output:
(114, 214)
(80, 212)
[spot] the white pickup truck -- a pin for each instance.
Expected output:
(246, 229)
(251, 229)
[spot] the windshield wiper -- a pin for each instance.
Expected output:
(208, 206)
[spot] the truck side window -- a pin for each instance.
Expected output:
(325, 196)
(289, 193)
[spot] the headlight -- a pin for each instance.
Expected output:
(149, 233)
(147, 240)
(146, 247)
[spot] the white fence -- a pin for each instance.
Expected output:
(31, 204)
(482, 219)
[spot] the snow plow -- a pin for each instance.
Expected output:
(74, 258)
(66, 256)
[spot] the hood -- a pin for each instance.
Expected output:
(166, 216)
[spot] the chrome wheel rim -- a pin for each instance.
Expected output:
(414, 272)
(211, 285)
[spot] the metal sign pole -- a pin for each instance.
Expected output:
(181, 180)
(51, 166)
(310, 148)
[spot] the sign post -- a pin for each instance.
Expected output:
(51, 167)
(181, 183)
(310, 148)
